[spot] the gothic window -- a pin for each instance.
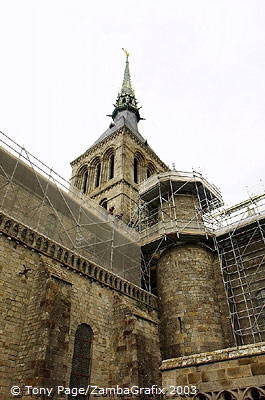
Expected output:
(150, 170)
(111, 166)
(138, 163)
(135, 170)
(95, 168)
(98, 173)
(103, 203)
(85, 181)
(50, 225)
(82, 179)
(81, 362)
(108, 169)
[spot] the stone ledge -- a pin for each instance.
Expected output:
(214, 356)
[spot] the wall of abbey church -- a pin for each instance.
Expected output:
(45, 299)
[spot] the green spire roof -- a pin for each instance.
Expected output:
(126, 99)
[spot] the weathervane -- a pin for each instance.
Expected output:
(126, 53)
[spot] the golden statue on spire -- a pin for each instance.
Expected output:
(126, 52)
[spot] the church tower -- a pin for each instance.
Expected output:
(112, 168)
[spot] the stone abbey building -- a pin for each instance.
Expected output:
(130, 275)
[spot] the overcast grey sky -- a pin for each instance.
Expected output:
(197, 66)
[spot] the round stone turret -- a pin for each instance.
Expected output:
(190, 316)
(173, 230)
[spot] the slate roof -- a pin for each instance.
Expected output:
(125, 118)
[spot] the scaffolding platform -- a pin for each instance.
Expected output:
(174, 203)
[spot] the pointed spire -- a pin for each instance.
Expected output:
(126, 85)
(126, 100)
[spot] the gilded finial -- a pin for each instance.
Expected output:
(126, 53)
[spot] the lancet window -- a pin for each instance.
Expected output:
(82, 179)
(109, 164)
(96, 167)
(82, 357)
(138, 162)
(150, 170)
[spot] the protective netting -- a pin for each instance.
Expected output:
(36, 196)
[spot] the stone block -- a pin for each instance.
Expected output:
(239, 372)
(181, 380)
(258, 368)
(194, 377)
(213, 375)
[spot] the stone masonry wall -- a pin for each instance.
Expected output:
(42, 307)
(190, 314)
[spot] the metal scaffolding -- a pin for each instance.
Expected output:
(240, 243)
(171, 208)
(174, 202)
(35, 195)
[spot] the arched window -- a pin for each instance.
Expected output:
(148, 173)
(108, 167)
(104, 203)
(85, 181)
(226, 395)
(111, 166)
(138, 163)
(255, 394)
(82, 179)
(95, 170)
(98, 172)
(81, 362)
(135, 170)
(150, 170)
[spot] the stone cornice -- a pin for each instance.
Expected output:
(35, 241)
(214, 356)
